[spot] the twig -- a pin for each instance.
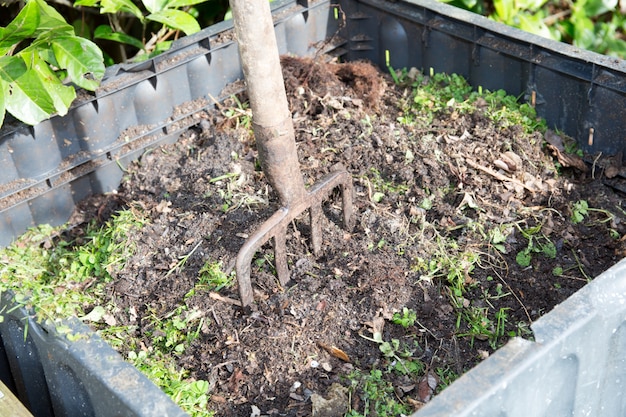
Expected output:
(552, 19)
(580, 266)
(217, 320)
(426, 330)
(182, 261)
(506, 284)
(497, 175)
(593, 167)
(217, 297)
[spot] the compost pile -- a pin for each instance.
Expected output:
(429, 201)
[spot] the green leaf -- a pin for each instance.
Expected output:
(175, 4)
(530, 5)
(595, 8)
(534, 23)
(161, 47)
(549, 250)
(87, 3)
(49, 11)
(496, 236)
(114, 6)
(4, 93)
(377, 197)
(105, 32)
(82, 59)
(155, 6)
(81, 28)
(500, 247)
(51, 23)
(29, 100)
(386, 349)
(577, 217)
(523, 258)
(61, 95)
(94, 315)
(43, 49)
(616, 47)
(176, 19)
(63, 329)
(22, 27)
(505, 9)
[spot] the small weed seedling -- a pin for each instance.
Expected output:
(406, 319)
(192, 396)
(497, 238)
(581, 210)
(379, 397)
(441, 92)
(174, 332)
(212, 275)
(448, 262)
(382, 186)
(399, 355)
(240, 114)
(81, 268)
(481, 326)
(538, 243)
(182, 260)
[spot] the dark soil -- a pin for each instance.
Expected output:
(290, 345)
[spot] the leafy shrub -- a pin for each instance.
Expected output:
(38, 50)
(595, 25)
(167, 14)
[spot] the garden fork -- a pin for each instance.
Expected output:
(275, 139)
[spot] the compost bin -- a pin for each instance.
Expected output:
(575, 365)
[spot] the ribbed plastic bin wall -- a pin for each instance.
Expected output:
(576, 366)
(55, 377)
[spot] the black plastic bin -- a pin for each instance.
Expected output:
(80, 375)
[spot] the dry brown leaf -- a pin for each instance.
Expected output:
(235, 379)
(427, 386)
(335, 351)
(164, 207)
(568, 160)
(415, 403)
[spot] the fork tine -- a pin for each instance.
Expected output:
(316, 228)
(346, 200)
(280, 255)
(276, 228)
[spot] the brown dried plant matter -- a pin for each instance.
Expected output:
(349, 80)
